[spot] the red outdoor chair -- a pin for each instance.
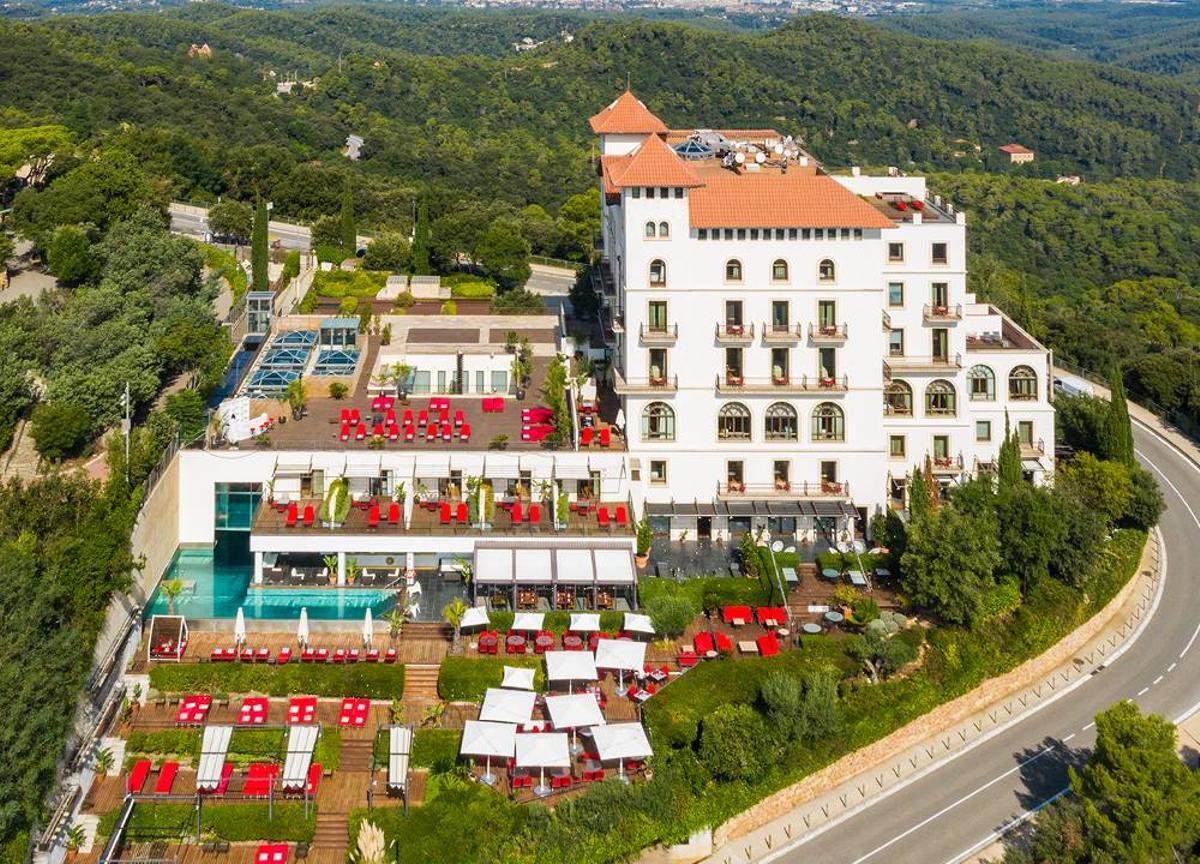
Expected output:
(393, 432)
(461, 515)
(431, 432)
(458, 417)
(422, 417)
(602, 517)
(407, 417)
(344, 416)
(360, 433)
(389, 417)
(373, 516)
(292, 515)
(444, 513)
(309, 515)
(377, 430)
(605, 436)
(393, 514)
(447, 432)
(517, 515)
(622, 516)
(535, 513)
(464, 434)
(410, 434)
(355, 417)
(585, 436)
(345, 433)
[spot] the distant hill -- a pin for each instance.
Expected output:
(1163, 39)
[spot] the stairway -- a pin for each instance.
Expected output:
(356, 754)
(420, 681)
(333, 832)
(426, 629)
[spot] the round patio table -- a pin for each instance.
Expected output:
(572, 642)
(516, 641)
(544, 642)
(830, 573)
(811, 629)
(835, 617)
(487, 640)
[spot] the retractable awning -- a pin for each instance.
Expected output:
(493, 566)
(399, 750)
(363, 465)
(432, 465)
(533, 566)
(302, 740)
(470, 464)
(614, 567)
(574, 566)
(501, 466)
(213, 747)
(571, 469)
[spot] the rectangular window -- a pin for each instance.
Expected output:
(636, 191)
(779, 365)
(940, 337)
(828, 471)
(896, 342)
(703, 233)
(479, 379)
(778, 233)
(827, 363)
(753, 233)
(500, 381)
(420, 381)
(728, 233)
(664, 192)
(845, 233)
(1025, 432)
(896, 446)
(857, 233)
(656, 316)
(780, 316)
(827, 313)
(441, 381)
(983, 430)
(733, 313)
(818, 233)
(939, 253)
(941, 446)
(939, 294)
(806, 233)
(782, 471)
(733, 365)
(734, 473)
(792, 233)
(658, 365)
(678, 191)
(658, 471)
(649, 191)
(895, 251)
(895, 294)
(741, 233)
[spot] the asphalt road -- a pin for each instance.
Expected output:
(193, 221)
(959, 808)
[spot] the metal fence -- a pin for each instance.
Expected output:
(1176, 420)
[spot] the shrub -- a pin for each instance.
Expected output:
(722, 590)
(449, 308)
(239, 822)
(60, 429)
(291, 266)
(465, 287)
(1145, 501)
(519, 302)
(338, 390)
(366, 680)
(328, 753)
(431, 746)
(166, 742)
(670, 614)
(348, 305)
(327, 254)
(466, 679)
(783, 695)
(405, 299)
(732, 741)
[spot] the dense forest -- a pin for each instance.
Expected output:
(1162, 38)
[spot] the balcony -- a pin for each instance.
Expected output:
(887, 322)
(920, 364)
(735, 334)
(644, 386)
(781, 334)
(782, 490)
(667, 334)
(827, 334)
(942, 314)
(947, 464)
(1033, 449)
(734, 385)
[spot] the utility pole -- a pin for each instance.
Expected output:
(125, 428)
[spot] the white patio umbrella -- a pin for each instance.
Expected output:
(585, 622)
(507, 706)
(621, 741)
(636, 623)
(574, 712)
(368, 629)
(624, 655)
(542, 750)
(239, 628)
(302, 629)
(481, 738)
(517, 678)
(476, 616)
(570, 666)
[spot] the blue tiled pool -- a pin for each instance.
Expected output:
(218, 582)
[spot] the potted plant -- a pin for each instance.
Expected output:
(331, 566)
(76, 836)
(644, 538)
(296, 396)
(403, 375)
(453, 613)
(510, 342)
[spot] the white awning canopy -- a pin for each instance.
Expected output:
(399, 750)
(476, 616)
(537, 464)
(570, 666)
(293, 465)
(213, 747)
(585, 622)
(621, 741)
(302, 740)
(614, 567)
(542, 750)
(470, 464)
(432, 465)
(501, 466)
(528, 620)
(517, 678)
(574, 566)
(507, 706)
(623, 654)
(481, 738)
(493, 566)
(637, 623)
(363, 465)
(571, 469)
(533, 566)
(574, 712)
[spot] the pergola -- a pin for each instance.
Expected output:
(592, 569)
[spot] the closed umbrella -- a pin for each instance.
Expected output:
(239, 628)
(368, 630)
(302, 630)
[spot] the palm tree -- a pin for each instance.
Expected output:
(296, 395)
(453, 613)
(76, 836)
(171, 589)
(104, 761)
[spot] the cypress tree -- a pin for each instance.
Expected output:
(1008, 463)
(420, 247)
(349, 233)
(919, 503)
(1117, 440)
(258, 248)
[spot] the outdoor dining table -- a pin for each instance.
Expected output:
(830, 574)
(544, 641)
(811, 629)
(516, 640)
(883, 573)
(790, 577)
(572, 642)
(834, 617)
(487, 640)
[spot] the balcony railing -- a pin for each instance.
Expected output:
(887, 321)
(782, 490)
(735, 334)
(666, 334)
(636, 386)
(1033, 448)
(947, 464)
(920, 364)
(934, 312)
(781, 334)
(826, 332)
(737, 384)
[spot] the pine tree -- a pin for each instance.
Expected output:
(258, 248)
(349, 232)
(1117, 437)
(919, 503)
(420, 247)
(1008, 464)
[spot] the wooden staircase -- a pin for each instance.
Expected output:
(356, 754)
(420, 681)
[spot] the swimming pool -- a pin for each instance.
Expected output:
(217, 583)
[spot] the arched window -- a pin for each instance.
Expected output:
(826, 271)
(779, 270)
(658, 422)
(940, 399)
(1022, 384)
(664, 230)
(828, 423)
(982, 382)
(781, 423)
(650, 232)
(897, 399)
(658, 272)
(733, 422)
(733, 270)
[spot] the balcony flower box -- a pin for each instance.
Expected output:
(783, 486)
(658, 381)
(734, 380)
(735, 487)
(941, 311)
(827, 383)
(943, 461)
(829, 487)
(733, 329)
(829, 330)
(779, 380)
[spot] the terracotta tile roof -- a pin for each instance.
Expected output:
(790, 200)
(627, 115)
(1015, 148)
(653, 163)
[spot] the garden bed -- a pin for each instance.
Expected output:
(240, 822)
(364, 680)
(466, 679)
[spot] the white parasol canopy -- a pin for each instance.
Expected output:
(302, 629)
(585, 622)
(507, 706)
(570, 666)
(528, 621)
(517, 678)
(476, 616)
(621, 741)
(239, 628)
(481, 738)
(574, 712)
(542, 750)
(635, 623)
(621, 654)
(368, 628)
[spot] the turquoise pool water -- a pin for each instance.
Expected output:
(217, 582)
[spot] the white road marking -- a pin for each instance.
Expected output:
(1171, 668)
(1188, 646)
(1089, 726)
(996, 835)
(1156, 680)
(1069, 737)
(1143, 691)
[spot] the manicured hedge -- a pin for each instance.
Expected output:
(232, 822)
(466, 679)
(431, 746)
(184, 743)
(726, 590)
(367, 680)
